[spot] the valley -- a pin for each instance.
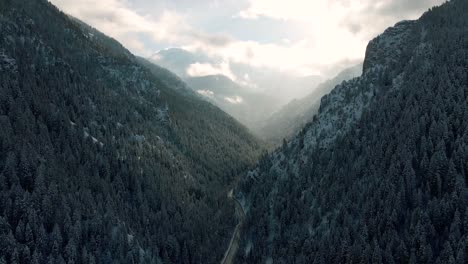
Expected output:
(111, 154)
(231, 251)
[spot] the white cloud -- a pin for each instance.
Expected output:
(286, 10)
(304, 57)
(234, 100)
(207, 93)
(334, 32)
(205, 69)
(118, 19)
(337, 10)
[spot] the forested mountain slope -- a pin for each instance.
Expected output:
(290, 119)
(102, 160)
(380, 175)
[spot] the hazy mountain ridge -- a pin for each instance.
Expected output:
(252, 100)
(380, 176)
(242, 103)
(102, 159)
(290, 119)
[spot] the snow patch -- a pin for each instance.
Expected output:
(162, 114)
(248, 248)
(95, 140)
(7, 63)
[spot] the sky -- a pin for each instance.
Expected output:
(301, 37)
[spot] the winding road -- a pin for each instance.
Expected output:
(231, 251)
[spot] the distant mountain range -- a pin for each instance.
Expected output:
(248, 94)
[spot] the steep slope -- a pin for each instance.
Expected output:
(170, 79)
(245, 105)
(380, 176)
(290, 119)
(101, 159)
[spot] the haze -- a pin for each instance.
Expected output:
(302, 37)
(254, 57)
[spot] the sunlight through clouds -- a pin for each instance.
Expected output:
(332, 34)
(204, 69)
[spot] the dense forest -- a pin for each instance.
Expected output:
(380, 175)
(108, 158)
(104, 158)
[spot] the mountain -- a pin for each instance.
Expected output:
(290, 119)
(380, 175)
(105, 158)
(245, 105)
(169, 78)
(283, 86)
(249, 94)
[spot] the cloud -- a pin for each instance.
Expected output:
(302, 57)
(118, 19)
(290, 10)
(374, 15)
(206, 93)
(331, 32)
(403, 7)
(206, 69)
(334, 31)
(306, 10)
(234, 100)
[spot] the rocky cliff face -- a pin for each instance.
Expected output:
(343, 107)
(389, 47)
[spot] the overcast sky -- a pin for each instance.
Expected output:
(300, 36)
